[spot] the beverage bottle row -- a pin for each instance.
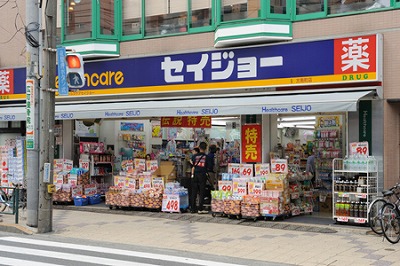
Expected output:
(353, 209)
(360, 162)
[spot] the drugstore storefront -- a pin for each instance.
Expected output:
(259, 83)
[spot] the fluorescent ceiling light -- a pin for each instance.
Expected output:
(311, 123)
(296, 118)
(225, 118)
(218, 123)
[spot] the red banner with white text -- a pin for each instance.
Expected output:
(251, 143)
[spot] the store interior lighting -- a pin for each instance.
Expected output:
(303, 122)
(221, 121)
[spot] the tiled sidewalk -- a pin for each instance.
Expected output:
(273, 241)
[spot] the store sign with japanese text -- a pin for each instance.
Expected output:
(334, 61)
(187, 121)
(251, 143)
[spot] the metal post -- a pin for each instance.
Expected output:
(47, 114)
(32, 66)
(16, 204)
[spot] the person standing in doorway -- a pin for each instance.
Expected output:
(199, 179)
(310, 167)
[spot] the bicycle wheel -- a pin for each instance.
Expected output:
(390, 223)
(374, 215)
(3, 200)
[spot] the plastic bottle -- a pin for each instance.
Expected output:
(337, 208)
(347, 208)
(352, 209)
(356, 209)
(350, 163)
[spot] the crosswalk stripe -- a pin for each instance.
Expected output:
(118, 252)
(67, 256)
(17, 262)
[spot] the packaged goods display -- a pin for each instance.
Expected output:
(232, 206)
(63, 194)
(217, 201)
(153, 198)
(136, 199)
(69, 182)
(250, 207)
(301, 193)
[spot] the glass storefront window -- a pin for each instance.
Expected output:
(278, 7)
(165, 17)
(131, 17)
(337, 7)
(309, 6)
(233, 10)
(201, 13)
(77, 19)
(107, 21)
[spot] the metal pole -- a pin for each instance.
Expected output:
(32, 66)
(47, 114)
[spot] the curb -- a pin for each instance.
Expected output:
(15, 228)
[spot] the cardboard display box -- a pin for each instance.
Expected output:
(167, 170)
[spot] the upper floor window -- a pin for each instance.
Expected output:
(309, 6)
(165, 17)
(201, 13)
(233, 10)
(131, 17)
(278, 7)
(239, 9)
(77, 19)
(337, 7)
(107, 21)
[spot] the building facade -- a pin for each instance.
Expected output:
(130, 36)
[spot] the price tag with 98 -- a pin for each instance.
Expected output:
(170, 203)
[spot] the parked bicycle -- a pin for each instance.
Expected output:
(374, 208)
(8, 198)
(390, 221)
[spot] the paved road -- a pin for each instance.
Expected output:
(33, 251)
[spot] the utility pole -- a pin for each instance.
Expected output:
(32, 68)
(47, 115)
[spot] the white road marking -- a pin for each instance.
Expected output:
(18, 262)
(117, 252)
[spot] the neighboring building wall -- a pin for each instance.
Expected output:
(12, 39)
(391, 144)
(173, 44)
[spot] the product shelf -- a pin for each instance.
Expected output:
(353, 189)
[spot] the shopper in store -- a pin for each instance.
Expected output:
(195, 151)
(310, 167)
(199, 179)
(148, 157)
